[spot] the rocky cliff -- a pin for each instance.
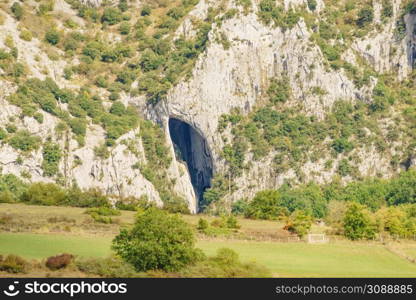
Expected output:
(311, 53)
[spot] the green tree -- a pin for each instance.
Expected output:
(299, 223)
(265, 205)
(403, 189)
(358, 223)
(157, 241)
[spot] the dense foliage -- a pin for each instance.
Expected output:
(313, 199)
(157, 241)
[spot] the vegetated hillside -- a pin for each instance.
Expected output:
(288, 91)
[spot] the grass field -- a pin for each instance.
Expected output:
(340, 259)
(39, 246)
(37, 232)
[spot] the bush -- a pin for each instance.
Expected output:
(51, 157)
(17, 10)
(279, 90)
(103, 211)
(175, 204)
(124, 28)
(26, 35)
(365, 16)
(90, 198)
(202, 224)
(342, 145)
(157, 241)
(312, 5)
(52, 36)
(111, 267)
(11, 188)
(150, 61)
(111, 16)
(23, 140)
(146, 10)
(44, 194)
(226, 264)
(101, 151)
(59, 261)
(132, 203)
(265, 205)
(13, 264)
(299, 223)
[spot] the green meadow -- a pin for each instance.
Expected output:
(338, 259)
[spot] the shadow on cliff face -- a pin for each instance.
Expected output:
(192, 148)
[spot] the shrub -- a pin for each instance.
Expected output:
(59, 261)
(3, 134)
(279, 90)
(23, 140)
(101, 219)
(44, 194)
(17, 10)
(232, 222)
(265, 205)
(90, 198)
(118, 108)
(312, 5)
(132, 203)
(101, 151)
(226, 264)
(13, 264)
(157, 241)
(175, 204)
(111, 16)
(342, 145)
(365, 16)
(299, 223)
(11, 188)
(124, 28)
(344, 168)
(146, 10)
(111, 267)
(26, 35)
(51, 157)
(358, 223)
(202, 224)
(150, 61)
(103, 211)
(123, 5)
(52, 36)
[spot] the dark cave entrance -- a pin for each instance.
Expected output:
(192, 148)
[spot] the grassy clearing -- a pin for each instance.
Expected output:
(40, 246)
(340, 259)
(32, 235)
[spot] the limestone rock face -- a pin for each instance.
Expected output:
(223, 79)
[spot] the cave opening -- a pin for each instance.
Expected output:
(192, 148)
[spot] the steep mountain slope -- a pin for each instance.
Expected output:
(269, 92)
